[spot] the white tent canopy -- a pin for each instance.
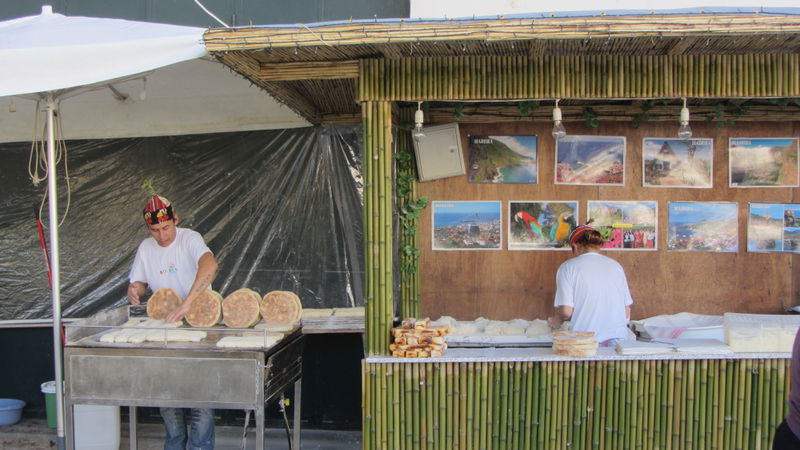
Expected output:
(51, 52)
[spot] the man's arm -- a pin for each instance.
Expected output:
(206, 272)
(135, 292)
(560, 315)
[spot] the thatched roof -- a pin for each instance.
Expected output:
(312, 67)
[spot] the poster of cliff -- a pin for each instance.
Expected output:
(670, 162)
(763, 162)
(625, 225)
(590, 160)
(461, 225)
(502, 159)
(773, 227)
(540, 225)
(703, 227)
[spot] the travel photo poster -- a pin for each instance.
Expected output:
(590, 160)
(538, 225)
(502, 159)
(763, 162)
(773, 227)
(668, 162)
(625, 225)
(703, 227)
(460, 225)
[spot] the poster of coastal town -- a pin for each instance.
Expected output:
(703, 227)
(590, 160)
(763, 162)
(773, 227)
(502, 159)
(625, 225)
(677, 162)
(467, 226)
(540, 225)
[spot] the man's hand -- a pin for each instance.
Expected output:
(178, 313)
(135, 292)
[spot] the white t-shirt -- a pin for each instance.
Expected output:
(174, 266)
(595, 286)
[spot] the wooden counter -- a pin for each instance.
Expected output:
(530, 398)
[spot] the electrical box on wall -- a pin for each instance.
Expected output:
(439, 153)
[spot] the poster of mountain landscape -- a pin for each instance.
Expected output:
(459, 225)
(763, 162)
(668, 162)
(773, 227)
(502, 159)
(703, 227)
(625, 225)
(590, 160)
(541, 225)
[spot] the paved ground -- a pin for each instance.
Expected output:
(34, 434)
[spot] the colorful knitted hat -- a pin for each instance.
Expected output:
(158, 209)
(578, 232)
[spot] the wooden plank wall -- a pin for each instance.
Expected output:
(506, 284)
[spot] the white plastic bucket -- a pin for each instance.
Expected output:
(96, 427)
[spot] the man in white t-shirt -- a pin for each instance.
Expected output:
(591, 290)
(179, 259)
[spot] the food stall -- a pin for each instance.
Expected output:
(623, 78)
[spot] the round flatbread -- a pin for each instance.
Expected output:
(162, 302)
(240, 309)
(206, 310)
(281, 307)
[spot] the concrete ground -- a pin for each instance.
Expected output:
(34, 434)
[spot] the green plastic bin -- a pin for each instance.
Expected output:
(49, 391)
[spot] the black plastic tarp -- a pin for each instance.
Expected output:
(281, 210)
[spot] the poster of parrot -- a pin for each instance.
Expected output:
(625, 225)
(541, 225)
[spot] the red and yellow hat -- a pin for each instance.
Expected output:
(578, 232)
(158, 209)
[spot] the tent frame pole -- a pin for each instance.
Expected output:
(52, 174)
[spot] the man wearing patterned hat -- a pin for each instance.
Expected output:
(591, 290)
(175, 258)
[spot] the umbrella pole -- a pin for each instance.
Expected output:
(54, 267)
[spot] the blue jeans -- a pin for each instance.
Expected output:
(201, 428)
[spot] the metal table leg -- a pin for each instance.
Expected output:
(297, 398)
(132, 427)
(259, 412)
(69, 430)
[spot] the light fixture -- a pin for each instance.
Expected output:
(12, 107)
(685, 131)
(143, 92)
(558, 128)
(419, 117)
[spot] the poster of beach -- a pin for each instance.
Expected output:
(462, 225)
(590, 160)
(668, 162)
(773, 227)
(541, 225)
(625, 225)
(502, 159)
(703, 227)
(763, 162)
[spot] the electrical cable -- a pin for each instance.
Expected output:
(37, 160)
(282, 407)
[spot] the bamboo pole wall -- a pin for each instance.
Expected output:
(597, 76)
(648, 404)
(409, 282)
(378, 165)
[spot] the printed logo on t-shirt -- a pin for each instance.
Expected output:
(169, 270)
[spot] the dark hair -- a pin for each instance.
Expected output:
(589, 238)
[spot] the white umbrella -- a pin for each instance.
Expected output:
(51, 56)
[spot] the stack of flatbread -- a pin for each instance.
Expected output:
(574, 343)
(240, 309)
(206, 310)
(417, 339)
(281, 307)
(162, 302)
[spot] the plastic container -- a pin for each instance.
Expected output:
(761, 332)
(96, 427)
(682, 325)
(10, 410)
(49, 390)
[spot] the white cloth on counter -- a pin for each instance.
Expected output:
(699, 346)
(631, 347)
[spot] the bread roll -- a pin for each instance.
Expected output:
(281, 307)
(240, 309)
(162, 302)
(206, 310)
